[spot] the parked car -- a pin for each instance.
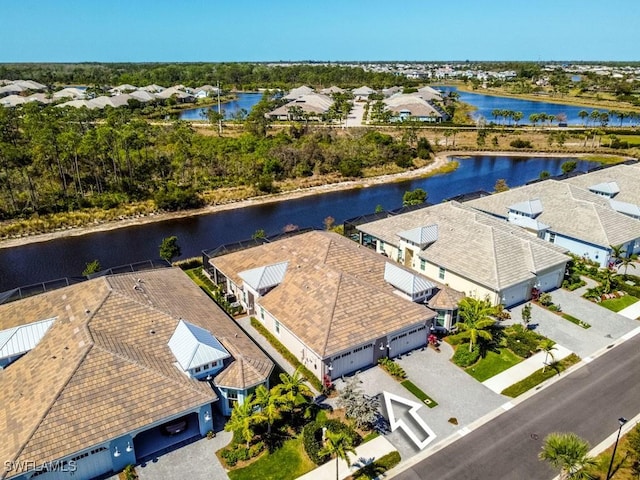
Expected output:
(175, 427)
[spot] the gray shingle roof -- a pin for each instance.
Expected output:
(568, 210)
(474, 245)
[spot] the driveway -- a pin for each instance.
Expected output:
(606, 325)
(458, 394)
(196, 461)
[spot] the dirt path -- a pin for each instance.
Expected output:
(440, 160)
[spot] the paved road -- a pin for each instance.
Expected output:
(588, 402)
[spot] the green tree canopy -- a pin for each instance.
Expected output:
(569, 453)
(414, 197)
(169, 248)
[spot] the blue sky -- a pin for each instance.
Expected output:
(327, 30)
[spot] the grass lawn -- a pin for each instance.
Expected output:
(492, 364)
(617, 304)
(424, 398)
(537, 377)
(288, 462)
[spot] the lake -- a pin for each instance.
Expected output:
(244, 101)
(485, 104)
(38, 262)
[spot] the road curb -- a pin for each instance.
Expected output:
(516, 401)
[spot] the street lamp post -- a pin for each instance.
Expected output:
(621, 421)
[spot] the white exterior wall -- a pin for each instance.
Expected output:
(459, 283)
(594, 253)
(307, 357)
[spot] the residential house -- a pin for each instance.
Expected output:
(362, 94)
(574, 218)
(206, 91)
(97, 374)
(312, 107)
(469, 251)
(412, 107)
(298, 92)
(337, 306)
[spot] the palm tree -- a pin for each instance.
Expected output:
(269, 402)
(617, 252)
(242, 419)
(584, 115)
(547, 346)
(569, 453)
(475, 316)
(293, 390)
(628, 260)
(338, 444)
(608, 279)
(517, 116)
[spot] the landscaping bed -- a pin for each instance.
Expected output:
(493, 363)
(620, 303)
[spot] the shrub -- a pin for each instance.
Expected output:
(236, 453)
(176, 198)
(377, 468)
(521, 341)
(312, 437)
(519, 143)
(454, 340)
(463, 357)
(392, 367)
(545, 299)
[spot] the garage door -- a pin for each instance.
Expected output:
(407, 341)
(349, 362)
(549, 281)
(87, 466)
(516, 294)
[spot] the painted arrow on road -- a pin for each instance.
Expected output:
(398, 422)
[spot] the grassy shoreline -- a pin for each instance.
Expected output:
(569, 101)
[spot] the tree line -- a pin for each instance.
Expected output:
(63, 159)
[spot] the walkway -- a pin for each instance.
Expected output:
(525, 368)
(590, 283)
(365, 454)
(632, 311)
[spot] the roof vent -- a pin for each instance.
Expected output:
(152, 331)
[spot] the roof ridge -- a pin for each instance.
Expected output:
(333, 312)
(53, 402)
(495, 255)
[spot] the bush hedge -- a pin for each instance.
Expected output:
(392, 368)
(521, 341)
(463, 357)
(238, 452)
(312, 437)
(289, 357)
(377, 468)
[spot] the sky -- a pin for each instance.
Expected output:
(327, 30)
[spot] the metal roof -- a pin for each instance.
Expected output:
(528, 222)
(606, 188)
(625, 207)
(406, 281)
(265, 277)
(18, 340)
(421, 235)
(530, 207)
(194, 346)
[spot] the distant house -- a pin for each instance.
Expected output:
(111, 371)
(13, 100)
(177, 92)
(70, 92)
(205, 91)
(298, 92)
(336, 306)
(312, 106)
(331, 90)
(362, 93)
(469, 251)
(122, 89)
(412, 107)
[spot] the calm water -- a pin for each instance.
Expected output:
(63, 257)
(244, 100)
(485, 104)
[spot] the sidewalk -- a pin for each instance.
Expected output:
(632, 311)
(523, 369)
(365, 454)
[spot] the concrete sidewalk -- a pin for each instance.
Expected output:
(632, 311)
(365, 454)
(523, 369)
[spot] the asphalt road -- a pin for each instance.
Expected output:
(587, 402)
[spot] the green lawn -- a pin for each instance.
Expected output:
(424, 398)
(617, 304)
(539, 376)
(492, 364)
(288, 462)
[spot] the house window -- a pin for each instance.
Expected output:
(423, 264)
(440, 318)
(232, 398)
(381, 243)
(552, 237)
(277, 327)
(262, 314)
(197, 369)
(441, 273)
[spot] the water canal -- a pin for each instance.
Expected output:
(38, 262)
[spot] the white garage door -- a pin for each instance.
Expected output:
(348, 362)
(410, 340)
(516, 294)
(550, 280)
(87, 466)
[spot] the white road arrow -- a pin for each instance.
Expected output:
(394, 422)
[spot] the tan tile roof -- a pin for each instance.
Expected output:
(104, 368)
(473, 245)
(333, 295)
(446, 299)
(568, 210)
